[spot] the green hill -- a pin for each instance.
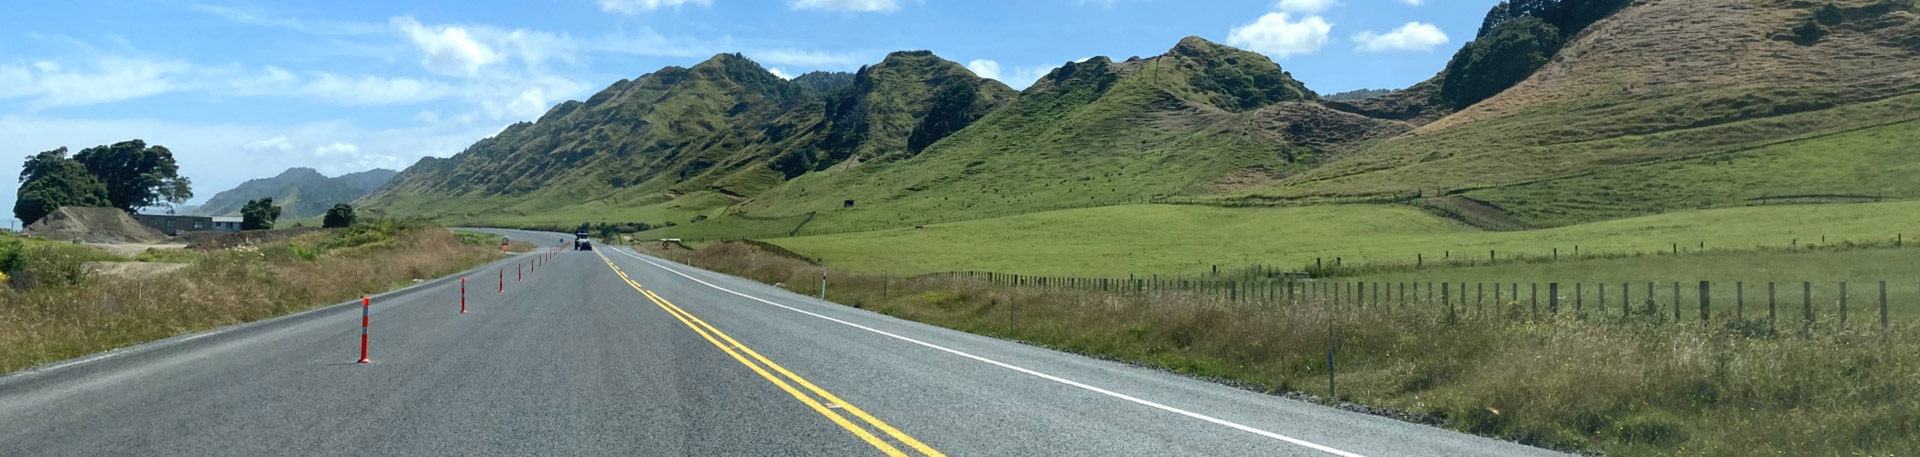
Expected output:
(1555, 114)
(725, 127)
(1201, 119)
(300, 192)
(1640, 87)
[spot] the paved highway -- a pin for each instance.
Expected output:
(613, 353)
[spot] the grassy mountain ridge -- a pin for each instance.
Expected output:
(725, 149)
(301, 192)
(725, 127)
(1659, 80)
(1200, 118)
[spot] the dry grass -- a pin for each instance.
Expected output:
(46, 324)
(1627, 387)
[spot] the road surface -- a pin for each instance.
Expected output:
(612, 353)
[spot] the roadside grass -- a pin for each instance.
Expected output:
(1626, 386)
(57, 321)
(1871, 162)
(1173, 240)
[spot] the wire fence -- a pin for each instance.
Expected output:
(1841, 303)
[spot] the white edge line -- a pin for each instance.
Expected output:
(1203, 417)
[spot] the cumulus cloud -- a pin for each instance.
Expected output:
(846, 5)
(1018, 78)
(985, 68)
(448, 50)
(1413, 36)
(1278, 35)
(335, 149)
(1305, 6)
(641, 6)
(279, 143)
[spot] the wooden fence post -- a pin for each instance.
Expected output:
(1706, 304)
(1676, 302)
(1843, 304)
(1553, 298)
(1740, 300)
(1533, 297)
(1772, 317)
(1806, 301)
(1652, 310)
(1578, 301)
(1603, 299)
(1883, 305)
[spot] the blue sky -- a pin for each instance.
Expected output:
(243, 89)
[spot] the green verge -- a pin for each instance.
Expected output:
(1869, 162)
(1189, 240)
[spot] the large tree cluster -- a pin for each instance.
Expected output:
(128, 175)
(1516, 38)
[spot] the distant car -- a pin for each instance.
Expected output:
(582, 244)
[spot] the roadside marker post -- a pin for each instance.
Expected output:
(366, 306)
(503, 280)
(463, 295)
(518, 275)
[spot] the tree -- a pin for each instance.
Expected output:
(1509, 53)
(137, 175)
(259, 214)
(50, 180)
(341, 215)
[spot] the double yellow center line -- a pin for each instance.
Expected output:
(827, 404)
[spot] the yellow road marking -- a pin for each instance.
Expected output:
(708, 332)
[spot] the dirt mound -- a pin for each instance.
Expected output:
(250, 237)
(93, 225)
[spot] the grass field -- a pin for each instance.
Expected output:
(1873, 162)
(1188, 240)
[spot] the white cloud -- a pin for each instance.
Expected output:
(1305, 6)
(1413, 2)
(641, 6)
(449, 50)
(335, 149)
(799, 58)
(110, 79)
(1413, 36)
(1019, 78)
(372, 90)
(1276, 35)
(276, 143)
(779, 72)
(846, 5)
(985, 68)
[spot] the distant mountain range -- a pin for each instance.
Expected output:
(300, 192)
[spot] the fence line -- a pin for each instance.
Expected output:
(1664, 301)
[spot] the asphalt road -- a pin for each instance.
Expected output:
(612, 353)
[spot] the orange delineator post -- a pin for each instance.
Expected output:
(366, 305)
(503, 279)
(463, 295)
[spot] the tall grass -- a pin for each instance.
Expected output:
(1630, 386)
(50, 323)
